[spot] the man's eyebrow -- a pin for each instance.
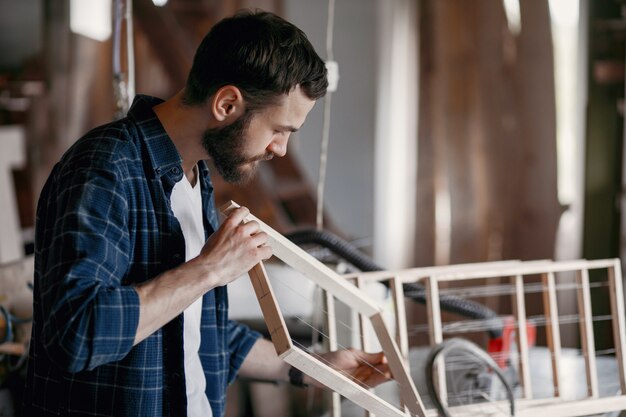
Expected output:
(287, 128)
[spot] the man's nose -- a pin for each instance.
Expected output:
(279, 147)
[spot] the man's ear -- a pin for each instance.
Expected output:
(227, 103)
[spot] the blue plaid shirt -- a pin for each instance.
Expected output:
(104, 222)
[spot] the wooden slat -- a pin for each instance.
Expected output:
(408, 392)
(366, 342)
(435, 333)
(519, 304)
(527, 268)
(545, 407)
(319, 273)
(617, 312)
(586, 332)
(273, 318)
(552, 328)
(409, 275)
(402, 338)
(331, 329)
(340, 383)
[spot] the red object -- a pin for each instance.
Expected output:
(500, 347)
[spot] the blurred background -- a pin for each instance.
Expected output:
(460, 130)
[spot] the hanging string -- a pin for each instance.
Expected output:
(479, 325)
(324, 335)
(321, 184)
(123, 83)
(507, 289)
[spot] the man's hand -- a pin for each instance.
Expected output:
(367, 369)
(229, 253)
(234, 248)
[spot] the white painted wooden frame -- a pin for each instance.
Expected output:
(335, 285)
(516, 271)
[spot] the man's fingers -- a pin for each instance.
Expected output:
(371, 358)
(362, 374)
(237, 216)
(265, 252)
(371, 376)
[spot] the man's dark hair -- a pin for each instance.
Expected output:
(261, 54)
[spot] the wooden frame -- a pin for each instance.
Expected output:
(339, 287)
(516, 271)
(336, 286)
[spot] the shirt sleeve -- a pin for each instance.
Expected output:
(83, 248)
(240, 340)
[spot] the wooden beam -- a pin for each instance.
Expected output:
(269, 306)
(170, 42)
(586, 332)
(328, 280)
(519, 305)
(552, 328)
(340, 383)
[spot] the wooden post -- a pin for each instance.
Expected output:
(331, 328)
(273, 318)
(363, 331)
(435, 334)
(617, 312)
(519, 304)
(586, 332)
(553, 333)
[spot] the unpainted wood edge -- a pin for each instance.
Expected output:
(545, 407)
(331, 327)
(402, 337)
(522, 337)
(363, 331)
(319, 273)
(340, 383)
(586, 332)
(553, 334)
(617, 315)
(409, 394)
(435, 333)
(269, 307)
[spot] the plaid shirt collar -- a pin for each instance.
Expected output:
(164, 157)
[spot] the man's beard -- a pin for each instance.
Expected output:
(225, 146)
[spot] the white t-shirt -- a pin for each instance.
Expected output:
(187, 207)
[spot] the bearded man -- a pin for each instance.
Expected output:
(131, 264)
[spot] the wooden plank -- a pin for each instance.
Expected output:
(409, 275)
(319, 273)
(306, 363)
(547, 407)
(435, 333)
(269, 306)
(553, 333)
(331, 329)
(338, 382)
(408, 392)
(366, 342)
(586, 332)
(402, 338)
(616, 293)
(527, 268)
(519, 304)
